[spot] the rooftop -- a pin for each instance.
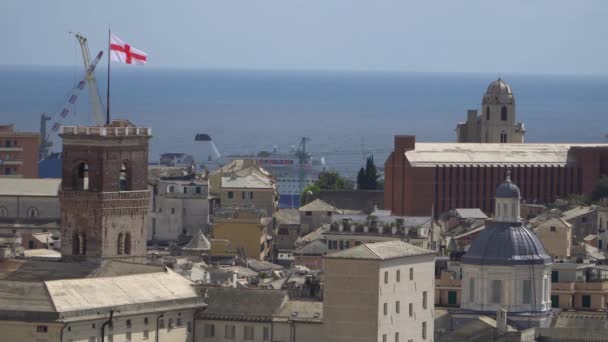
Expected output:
(287, 216)
(302, 310)
(242, 304)
(439, 154)
(117, 128)
(317, 205)
(576, 212)
(250, 181)
(30, 187)
(471, 213)
(380, 251)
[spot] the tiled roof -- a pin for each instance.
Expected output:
(471, 213)
(380, 251)
(242, 304)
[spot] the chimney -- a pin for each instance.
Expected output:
(405, 143)
(501, 321)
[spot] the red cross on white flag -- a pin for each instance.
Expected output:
(125, 53)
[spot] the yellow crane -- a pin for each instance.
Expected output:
(94, 98)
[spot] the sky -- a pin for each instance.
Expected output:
(516, 36)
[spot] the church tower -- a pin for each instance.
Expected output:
(497, 122)
(104, 193)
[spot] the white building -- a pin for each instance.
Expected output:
(496, 123)
(379, 292)
(178, 207)
(507, 267)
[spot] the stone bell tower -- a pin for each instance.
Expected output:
(104, 193)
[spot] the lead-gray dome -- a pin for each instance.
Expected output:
(499, 87)
(507, 189)
(506, 244)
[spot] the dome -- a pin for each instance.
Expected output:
(507, 189)
(499, 87)
(506, 244)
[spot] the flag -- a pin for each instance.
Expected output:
(125, 53)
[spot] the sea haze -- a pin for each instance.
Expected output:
(344, 113)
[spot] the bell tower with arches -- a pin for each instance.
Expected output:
(104, 193)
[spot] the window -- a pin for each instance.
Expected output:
(81, 177)
(411, 309)
(178, 322)
(128, 243)
(472, 290)
(424, 297)
(386, 277)
(3, 211)
(488, 113)
(527, 291)
(552, 228)
(424, 330)
(398, 307)
(396, 337)
(554, 276)
(249, 333)
(308, 213)
(170, 325)
(128, 336)
(185, 189)
(172, 211)
(411, 273)
(120, 245)
(79, 244)
(146, 320)
(496, 291)
(123, 178)
(229, 332)
(398, 276)
(198, 190)
(546, 290)
(583, 219)
(209, 330)
(503, 113)
(171, 188)
(247, 195)
(161, 323)
(266, 334)
(146, 334)
(7, 171)
(385, 309)
(42, 328)
(230, 194)
(586, 301)
(32, 212)
(128, 323)
(383, 337)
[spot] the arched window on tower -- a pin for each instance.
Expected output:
(32, 212)
(124, 178)
(82, 239)
(3, 211)
(81, 177)
(120, 246)
(503, 113)
(488, 113)
(128, 243)
(503, 137)
(76, 244)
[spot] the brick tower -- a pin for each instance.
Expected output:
(104, 193)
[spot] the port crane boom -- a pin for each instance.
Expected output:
(94, 98)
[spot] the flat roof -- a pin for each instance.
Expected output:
(437, 154)
(30, 187)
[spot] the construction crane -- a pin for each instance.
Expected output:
(94, 98)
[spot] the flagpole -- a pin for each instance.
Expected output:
(108, 90)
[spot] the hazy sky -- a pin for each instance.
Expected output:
(528, 36)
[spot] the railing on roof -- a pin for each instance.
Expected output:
(106, 131)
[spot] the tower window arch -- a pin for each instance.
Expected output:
(81, 176)
(123, 182)
(33, 212)
(503, 137)
(488, 113)
(503, 113)
(3, 211)
(120, 246)
(79, 244)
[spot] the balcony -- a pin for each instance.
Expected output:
(11, 162)
(11, 149)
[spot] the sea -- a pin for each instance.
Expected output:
(348, 116)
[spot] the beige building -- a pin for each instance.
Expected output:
(556, 236)
(259, 316)
(579, 286)
(314, 214)
(245, 230)
(496, 123)
(379, 292)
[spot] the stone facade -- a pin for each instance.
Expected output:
(104, 195)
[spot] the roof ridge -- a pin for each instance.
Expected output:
(371, 251)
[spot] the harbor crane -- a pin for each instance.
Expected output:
(94, 98)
